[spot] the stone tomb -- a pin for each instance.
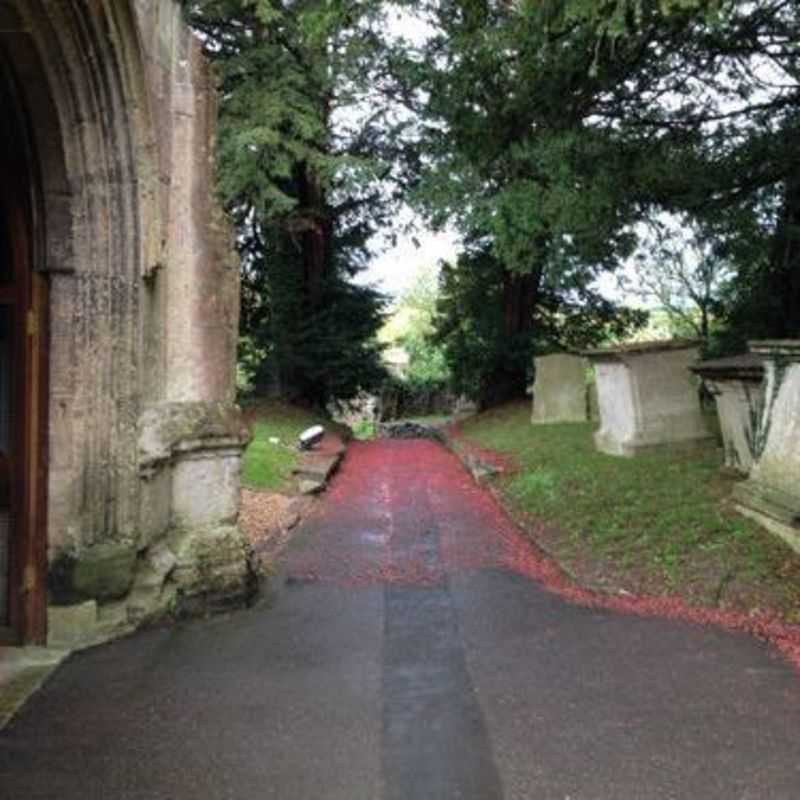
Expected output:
(771, 495)
(559, 390)
(737, 386)
(647, 397)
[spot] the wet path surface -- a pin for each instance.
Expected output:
(412, 655)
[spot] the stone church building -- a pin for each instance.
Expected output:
(119, 439)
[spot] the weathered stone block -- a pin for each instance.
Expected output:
(169, 429)
(72, 626)
(213, 563)
(105, 571)
(737, 386)
(317, 467)
(647, 397)
(559, 391)
(310, 486)
(160, 561)
(156, 505)
(771, 495)
(205, 489)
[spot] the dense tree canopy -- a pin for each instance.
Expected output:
(551, 133)
(565, 126)
(307, 167)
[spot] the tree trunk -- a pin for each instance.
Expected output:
(508, 380)
(317, 234)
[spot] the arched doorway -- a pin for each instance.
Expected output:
(22, 382)
(119, 319)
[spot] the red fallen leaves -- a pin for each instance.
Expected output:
(407, 513)
(500, 461)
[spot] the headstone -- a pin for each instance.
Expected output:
(647, 396)
(771, 495)
(737, 384)
(559, 390)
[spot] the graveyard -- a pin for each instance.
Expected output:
(655, 491)
(399, 400)
(661, 523)
(622, 475)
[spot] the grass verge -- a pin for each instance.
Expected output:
(271, 455)
(658, 523)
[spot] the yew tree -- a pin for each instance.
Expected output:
(308, 163)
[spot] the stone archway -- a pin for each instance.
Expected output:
(142, 317)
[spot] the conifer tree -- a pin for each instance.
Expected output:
(306, 164)
(565, 124)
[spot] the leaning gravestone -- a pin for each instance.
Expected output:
(647, 397)
(771, 495)
(559, 391)
(737, 384)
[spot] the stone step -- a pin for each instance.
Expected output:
(319, 467)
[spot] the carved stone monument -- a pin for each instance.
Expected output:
(559, 391)
(737, 384)
(647, 396)
(771, 495)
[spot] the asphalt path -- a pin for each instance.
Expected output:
(408, 656)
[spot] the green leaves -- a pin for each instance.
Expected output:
(546, 132)
(302, 158)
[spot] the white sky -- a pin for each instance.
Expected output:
(393, 271)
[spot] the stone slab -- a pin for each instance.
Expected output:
(317, 468)
(771, 494)
(737, 384)
(307, 486)
(559, 390)
(22, 671)
(105, 571)
(72, 626)
(647, 398)
(747, 366)
(770, 511)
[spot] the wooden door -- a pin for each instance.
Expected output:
(12, 423)
(23, 548)
(7, 402)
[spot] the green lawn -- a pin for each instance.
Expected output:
(658, 520)
(268, 465)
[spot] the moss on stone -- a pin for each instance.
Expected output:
(105, 571)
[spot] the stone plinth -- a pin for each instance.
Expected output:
(771, 495)
(559, 391)
(737, 385)
(647, 397)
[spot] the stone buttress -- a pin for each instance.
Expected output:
(142, 437)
